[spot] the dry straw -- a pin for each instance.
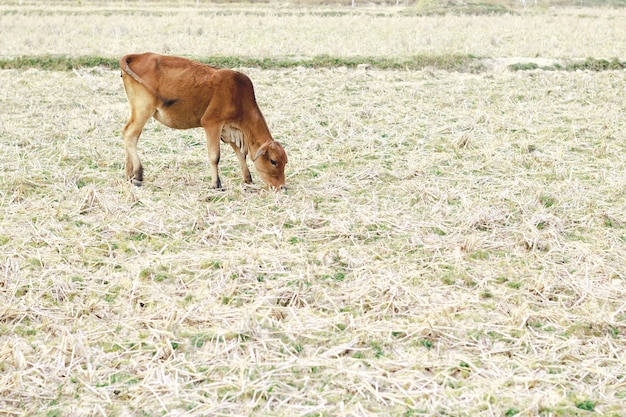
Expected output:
(272, 30)
(403, 272)
(451, 244)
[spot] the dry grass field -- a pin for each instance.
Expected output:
(452, 243)
(114, 28)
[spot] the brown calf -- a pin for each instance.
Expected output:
(183, 94)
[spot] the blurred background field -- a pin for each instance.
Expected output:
(112, 29)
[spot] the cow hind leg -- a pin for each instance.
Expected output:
(131, 132)
(247, 178)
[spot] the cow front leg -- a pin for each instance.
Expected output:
(213, 132)
(247, 178)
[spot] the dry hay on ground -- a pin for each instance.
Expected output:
(110, 30)
(451, 243)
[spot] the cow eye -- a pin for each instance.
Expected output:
(272, 162)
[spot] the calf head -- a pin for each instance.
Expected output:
(269, 162)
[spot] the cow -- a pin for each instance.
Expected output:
(184, 94)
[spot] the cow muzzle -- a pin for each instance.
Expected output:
(281, 188)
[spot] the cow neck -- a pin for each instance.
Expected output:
(259, 136)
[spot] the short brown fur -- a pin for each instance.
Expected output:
(184, 94)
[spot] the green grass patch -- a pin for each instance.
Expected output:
(57, 62)
(589, 64)
(586, 405)
(451, 62)
(455, 7)
(447, 62)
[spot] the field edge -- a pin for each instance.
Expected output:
(452, 63)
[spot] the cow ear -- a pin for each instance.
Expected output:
(262, 151)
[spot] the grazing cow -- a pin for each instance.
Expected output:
(183, 94)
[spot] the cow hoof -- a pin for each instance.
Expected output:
(137, 183)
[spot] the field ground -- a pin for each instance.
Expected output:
(112, 29)
(452, 243)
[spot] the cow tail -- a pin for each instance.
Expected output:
(128, 70)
